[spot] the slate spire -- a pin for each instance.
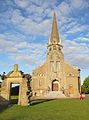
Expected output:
(54, 34)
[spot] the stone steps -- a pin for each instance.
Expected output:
(55, 94)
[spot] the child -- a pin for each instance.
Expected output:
(82, 96)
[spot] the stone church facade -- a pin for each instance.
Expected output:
(55, 78)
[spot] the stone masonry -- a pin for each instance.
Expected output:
(55, 78)
(15, 77)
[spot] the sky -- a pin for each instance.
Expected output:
(25, 27)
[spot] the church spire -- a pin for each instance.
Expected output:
(54, 34)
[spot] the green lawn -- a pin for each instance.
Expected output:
(69, 109)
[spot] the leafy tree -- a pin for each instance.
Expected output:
(85, 86)
(3, 76)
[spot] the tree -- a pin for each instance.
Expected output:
(85, 86)
(3, 76)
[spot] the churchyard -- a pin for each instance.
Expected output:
(61, 109)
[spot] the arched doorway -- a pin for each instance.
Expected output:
(55, 85)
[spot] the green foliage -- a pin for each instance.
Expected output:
(27, 76)
(68, 109)
(85, 86)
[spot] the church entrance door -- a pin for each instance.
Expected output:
(55, 85)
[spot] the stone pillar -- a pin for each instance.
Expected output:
(15, 67)
(5, 92)
(23, 93)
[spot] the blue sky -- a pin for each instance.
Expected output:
(25, 27)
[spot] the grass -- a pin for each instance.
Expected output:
(14, 97)
(69, 109)
(87, 96)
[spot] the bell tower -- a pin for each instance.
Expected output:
(55, 57)
(54, 43)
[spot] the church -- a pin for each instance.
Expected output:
(55, 78)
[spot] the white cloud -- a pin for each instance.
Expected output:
(76, 54)
(64, 8)
(32, 53)
(35, 10)
(28, 26)
(83, 39)
(45, 3)
(16, 17)
(7, 46)
(35, 23)
(79, 4)
(24, 52)
(77, 28)
(22, 3)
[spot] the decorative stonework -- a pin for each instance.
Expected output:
(15, 77)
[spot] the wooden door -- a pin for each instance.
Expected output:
(55, 87)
